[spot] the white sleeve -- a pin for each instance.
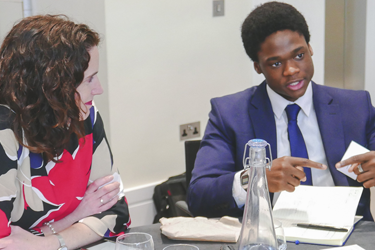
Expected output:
(239, 194)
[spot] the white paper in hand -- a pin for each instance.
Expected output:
(116, 177)
(353, 149)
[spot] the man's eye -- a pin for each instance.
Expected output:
(91, 78)
(300, 56)
(276, 64)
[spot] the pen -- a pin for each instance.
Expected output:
(320, 227)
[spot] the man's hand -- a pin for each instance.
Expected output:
(363, 166)
(287, 172)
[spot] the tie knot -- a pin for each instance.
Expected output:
(292, 111)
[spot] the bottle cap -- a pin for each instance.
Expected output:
(259, 143)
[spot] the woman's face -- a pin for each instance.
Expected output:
(90, 85)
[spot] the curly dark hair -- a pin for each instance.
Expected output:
(267, 19)
(42, 62)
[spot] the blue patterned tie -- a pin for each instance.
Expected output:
(297, 144)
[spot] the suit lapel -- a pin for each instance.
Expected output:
(262, 118)
(331, 129)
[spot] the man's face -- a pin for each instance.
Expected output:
(285, 61)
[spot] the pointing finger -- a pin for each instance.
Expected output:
(361, 158)
(307, 163)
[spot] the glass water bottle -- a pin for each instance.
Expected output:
(257, 231)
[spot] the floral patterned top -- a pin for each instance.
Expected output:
(33, 192)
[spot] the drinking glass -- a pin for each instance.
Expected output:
(181, 247)
(280, 236)
(134, 241)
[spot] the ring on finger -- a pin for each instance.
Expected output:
(360, 169)
(101, 201)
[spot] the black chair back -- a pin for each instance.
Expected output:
(191, 150)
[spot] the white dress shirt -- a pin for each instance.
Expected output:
(309, 127)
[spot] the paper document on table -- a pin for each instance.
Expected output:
(325, 206)
(351, 247)
(353, 149)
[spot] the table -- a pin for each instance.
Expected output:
(363, 235)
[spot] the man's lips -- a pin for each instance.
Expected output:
(296, 85)
(88, 103)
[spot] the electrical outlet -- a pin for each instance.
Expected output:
(190, 130)
(218, 7)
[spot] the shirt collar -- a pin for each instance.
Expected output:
(279, 103)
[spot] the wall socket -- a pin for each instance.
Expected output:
(218, 7)
(190, 130)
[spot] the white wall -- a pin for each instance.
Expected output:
(11, 11)
(335, 43)
(370, 49)
(349, 44)
(355, 44)
(314, 13)
(166, 60)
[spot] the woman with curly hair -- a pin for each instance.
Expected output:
(57, 177)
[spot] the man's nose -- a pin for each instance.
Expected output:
(290, 68)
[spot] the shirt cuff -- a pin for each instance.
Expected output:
(239, 194)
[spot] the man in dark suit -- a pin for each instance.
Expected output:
(276, 38)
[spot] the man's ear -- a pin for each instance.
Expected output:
(311, 50)
(257, 68)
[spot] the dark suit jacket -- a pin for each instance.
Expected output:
(343, 116)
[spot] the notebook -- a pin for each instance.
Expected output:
(322, 206)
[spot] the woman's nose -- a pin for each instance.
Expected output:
(98, 89)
